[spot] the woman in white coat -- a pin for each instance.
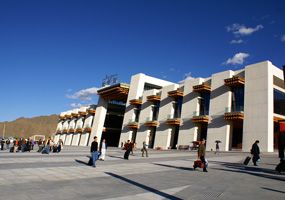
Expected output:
(103, 150)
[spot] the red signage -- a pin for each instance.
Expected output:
(282, 126)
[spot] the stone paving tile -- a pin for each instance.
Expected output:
(140, 178)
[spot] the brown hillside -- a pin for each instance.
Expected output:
(25, 127)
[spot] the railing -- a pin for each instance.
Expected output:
(173, 120)
(133, 124)
(234, 109)
(87, 129)
(136, 101)
(151, 122)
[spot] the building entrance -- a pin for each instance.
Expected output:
(113, 123)
(174, 137)
(151, 137)
(236, 134)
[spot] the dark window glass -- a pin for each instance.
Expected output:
(177, 107)
(155, 110)
(204, 103)
(237, 99)
(279, 102)
(137, 114)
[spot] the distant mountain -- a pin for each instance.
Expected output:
(25, 127)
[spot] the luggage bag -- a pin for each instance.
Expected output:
(246, 161)
(198, 163)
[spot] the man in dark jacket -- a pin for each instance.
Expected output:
(255, 152)
(94, 151)
(202, 154)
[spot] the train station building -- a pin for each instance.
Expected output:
(233, 107)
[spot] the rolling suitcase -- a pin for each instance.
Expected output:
(246, 161)
(198, 163)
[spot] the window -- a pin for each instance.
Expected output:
(237, 99)
(137, 112)
(177, 105)
(204, 103)
(155, 110)
(279, 102)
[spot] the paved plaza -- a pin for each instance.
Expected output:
(163, 175)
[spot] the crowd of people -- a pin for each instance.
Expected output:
(99, 151)
(28, 144)
(18, 145)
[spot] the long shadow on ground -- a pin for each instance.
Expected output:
(175, 167)
(255, 171)
(82, 162)
(265, 188)
(155, 191)
(116, 157)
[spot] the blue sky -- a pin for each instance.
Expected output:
(50, 51)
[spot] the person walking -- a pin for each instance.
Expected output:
(255, 152)
(217, 148)
(202, 154)
(103, 150)
(128, 147)
(59, 145)
(144, 149)
(94, 151)
(8, 144)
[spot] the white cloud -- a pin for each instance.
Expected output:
(283, 38)
(236, 41)
(242, 30)
(237, 59)
(85, 94)
(75, 105)
(187, 76)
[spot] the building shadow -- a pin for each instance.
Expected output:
(115, 157)
(175, 167)
(265, 188)
(150, 189)
(254, 171)
(81, 162)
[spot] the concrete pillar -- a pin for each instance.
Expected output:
(65, 127)
(218, 127)
(62, 137)
(258, 112)
(188, 130)
(78, 125)
(145, 115)
(85, 135)
(75, 139)
(99, 120)
(68, 139)
(56, 138)
(163, 133)
(69, 136)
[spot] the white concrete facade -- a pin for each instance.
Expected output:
(255, 121)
